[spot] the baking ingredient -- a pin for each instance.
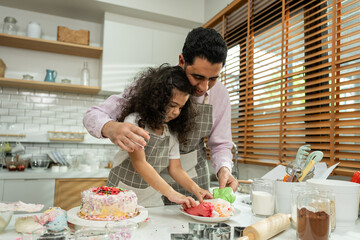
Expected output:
(27, 224)
(225, 193)
(263, 203)
(204, 209)
(312, 225)
(218, 207)
(268, 227)
(55, 218)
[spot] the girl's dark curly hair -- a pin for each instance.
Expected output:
(150, 95)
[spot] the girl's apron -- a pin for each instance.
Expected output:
(125, 176)
(193, 154)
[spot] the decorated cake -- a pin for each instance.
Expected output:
(108, 204)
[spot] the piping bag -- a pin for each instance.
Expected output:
(267, 228)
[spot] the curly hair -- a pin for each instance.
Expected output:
(204, 43)
(151, 94)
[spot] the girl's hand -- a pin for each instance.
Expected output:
(186, 202)
(202, 194)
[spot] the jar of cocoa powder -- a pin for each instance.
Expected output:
(313, 216)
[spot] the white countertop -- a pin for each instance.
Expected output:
(168, 219)
(47, 174)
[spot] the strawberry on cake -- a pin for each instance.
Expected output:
(108, 204)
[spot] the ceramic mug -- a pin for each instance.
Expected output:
(34, 30)
(18, 148)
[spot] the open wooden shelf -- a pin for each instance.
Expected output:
(48, 86)
(50, 46)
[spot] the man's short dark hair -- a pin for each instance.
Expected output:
(204, 43)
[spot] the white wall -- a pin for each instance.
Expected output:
(191, 10)
(213, 7)
(132, 44)
(22, 61)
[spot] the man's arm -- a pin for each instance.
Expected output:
(100, 121)
(220, 138)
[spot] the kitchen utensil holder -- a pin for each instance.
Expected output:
(66, 136)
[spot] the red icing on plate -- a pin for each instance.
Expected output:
(204, 209)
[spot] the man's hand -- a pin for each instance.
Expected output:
(126, 135)
(226, 179)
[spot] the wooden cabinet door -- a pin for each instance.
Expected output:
(68, 191)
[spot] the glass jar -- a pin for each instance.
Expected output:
(295, 191)
(91, 234)
(9, 26)
(262, 197)
(313, 216)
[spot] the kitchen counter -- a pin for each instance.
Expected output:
(47, 174)
(163, 221)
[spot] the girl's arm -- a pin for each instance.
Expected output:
(182, 178)
(150, 175)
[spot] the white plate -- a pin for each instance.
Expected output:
(72, 217)
(209, 219)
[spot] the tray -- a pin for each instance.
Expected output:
(72, 217)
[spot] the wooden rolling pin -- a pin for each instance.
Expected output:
(266, 228)
(244, 181)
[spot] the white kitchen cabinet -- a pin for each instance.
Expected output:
(130, 45)
(39, 191)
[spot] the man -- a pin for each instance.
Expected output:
(203, 56)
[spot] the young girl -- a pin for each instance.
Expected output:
(160, 103)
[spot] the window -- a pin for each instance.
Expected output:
(293, 75)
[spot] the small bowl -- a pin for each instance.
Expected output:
(39, 162)
(10, 163)
(5, 218)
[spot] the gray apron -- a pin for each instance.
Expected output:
(193, 155)
(125, 176)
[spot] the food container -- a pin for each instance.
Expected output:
(28, 77)
(9, 26)
(121, 229)
(48, 233)
(346, 199)
(5, 217)
(40, 162)
(10, 163)
(313, 216)
(66, 81)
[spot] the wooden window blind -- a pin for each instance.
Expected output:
(293, 75)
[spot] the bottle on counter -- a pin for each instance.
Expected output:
(85, 75)
(9, 26)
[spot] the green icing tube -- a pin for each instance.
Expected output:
(225, 193)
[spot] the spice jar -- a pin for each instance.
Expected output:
(9, 26)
